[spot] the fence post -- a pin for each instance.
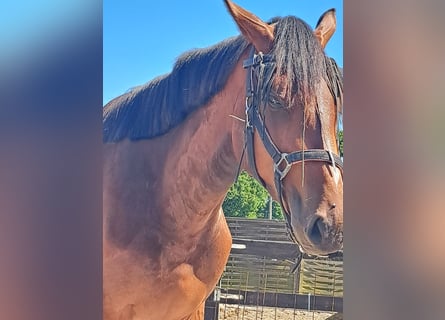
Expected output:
(211, 309)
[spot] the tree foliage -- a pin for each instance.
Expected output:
(248, 199)
(340, 139)
(245, 198)
(277, 213)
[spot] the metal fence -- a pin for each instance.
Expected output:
(260, 282)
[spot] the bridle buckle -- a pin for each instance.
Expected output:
(277, 165)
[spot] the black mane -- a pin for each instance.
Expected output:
(153, 109)
(300, 57)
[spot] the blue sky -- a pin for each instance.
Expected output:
(142, 39)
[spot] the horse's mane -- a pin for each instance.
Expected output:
(300, 57)
(153, 109)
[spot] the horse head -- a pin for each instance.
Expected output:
(293, 102)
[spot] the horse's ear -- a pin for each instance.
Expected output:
(326, 27)
(257, 32)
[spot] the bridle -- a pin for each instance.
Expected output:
(283, 161)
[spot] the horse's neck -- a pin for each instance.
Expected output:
(173, 186)
(202, 163)
(203, 160)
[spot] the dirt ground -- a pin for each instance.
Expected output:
(239, 312)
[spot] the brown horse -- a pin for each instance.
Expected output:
(267, 102)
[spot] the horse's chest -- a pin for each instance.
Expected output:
(171, 285)
(139, 295)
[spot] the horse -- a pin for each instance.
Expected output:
(266, 101)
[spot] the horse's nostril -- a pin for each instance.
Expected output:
(315, 231)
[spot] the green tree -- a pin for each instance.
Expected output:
(277, 213)
(340, 139)
(248, 199)
(245, 198)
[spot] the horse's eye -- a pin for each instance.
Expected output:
(275, 102)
